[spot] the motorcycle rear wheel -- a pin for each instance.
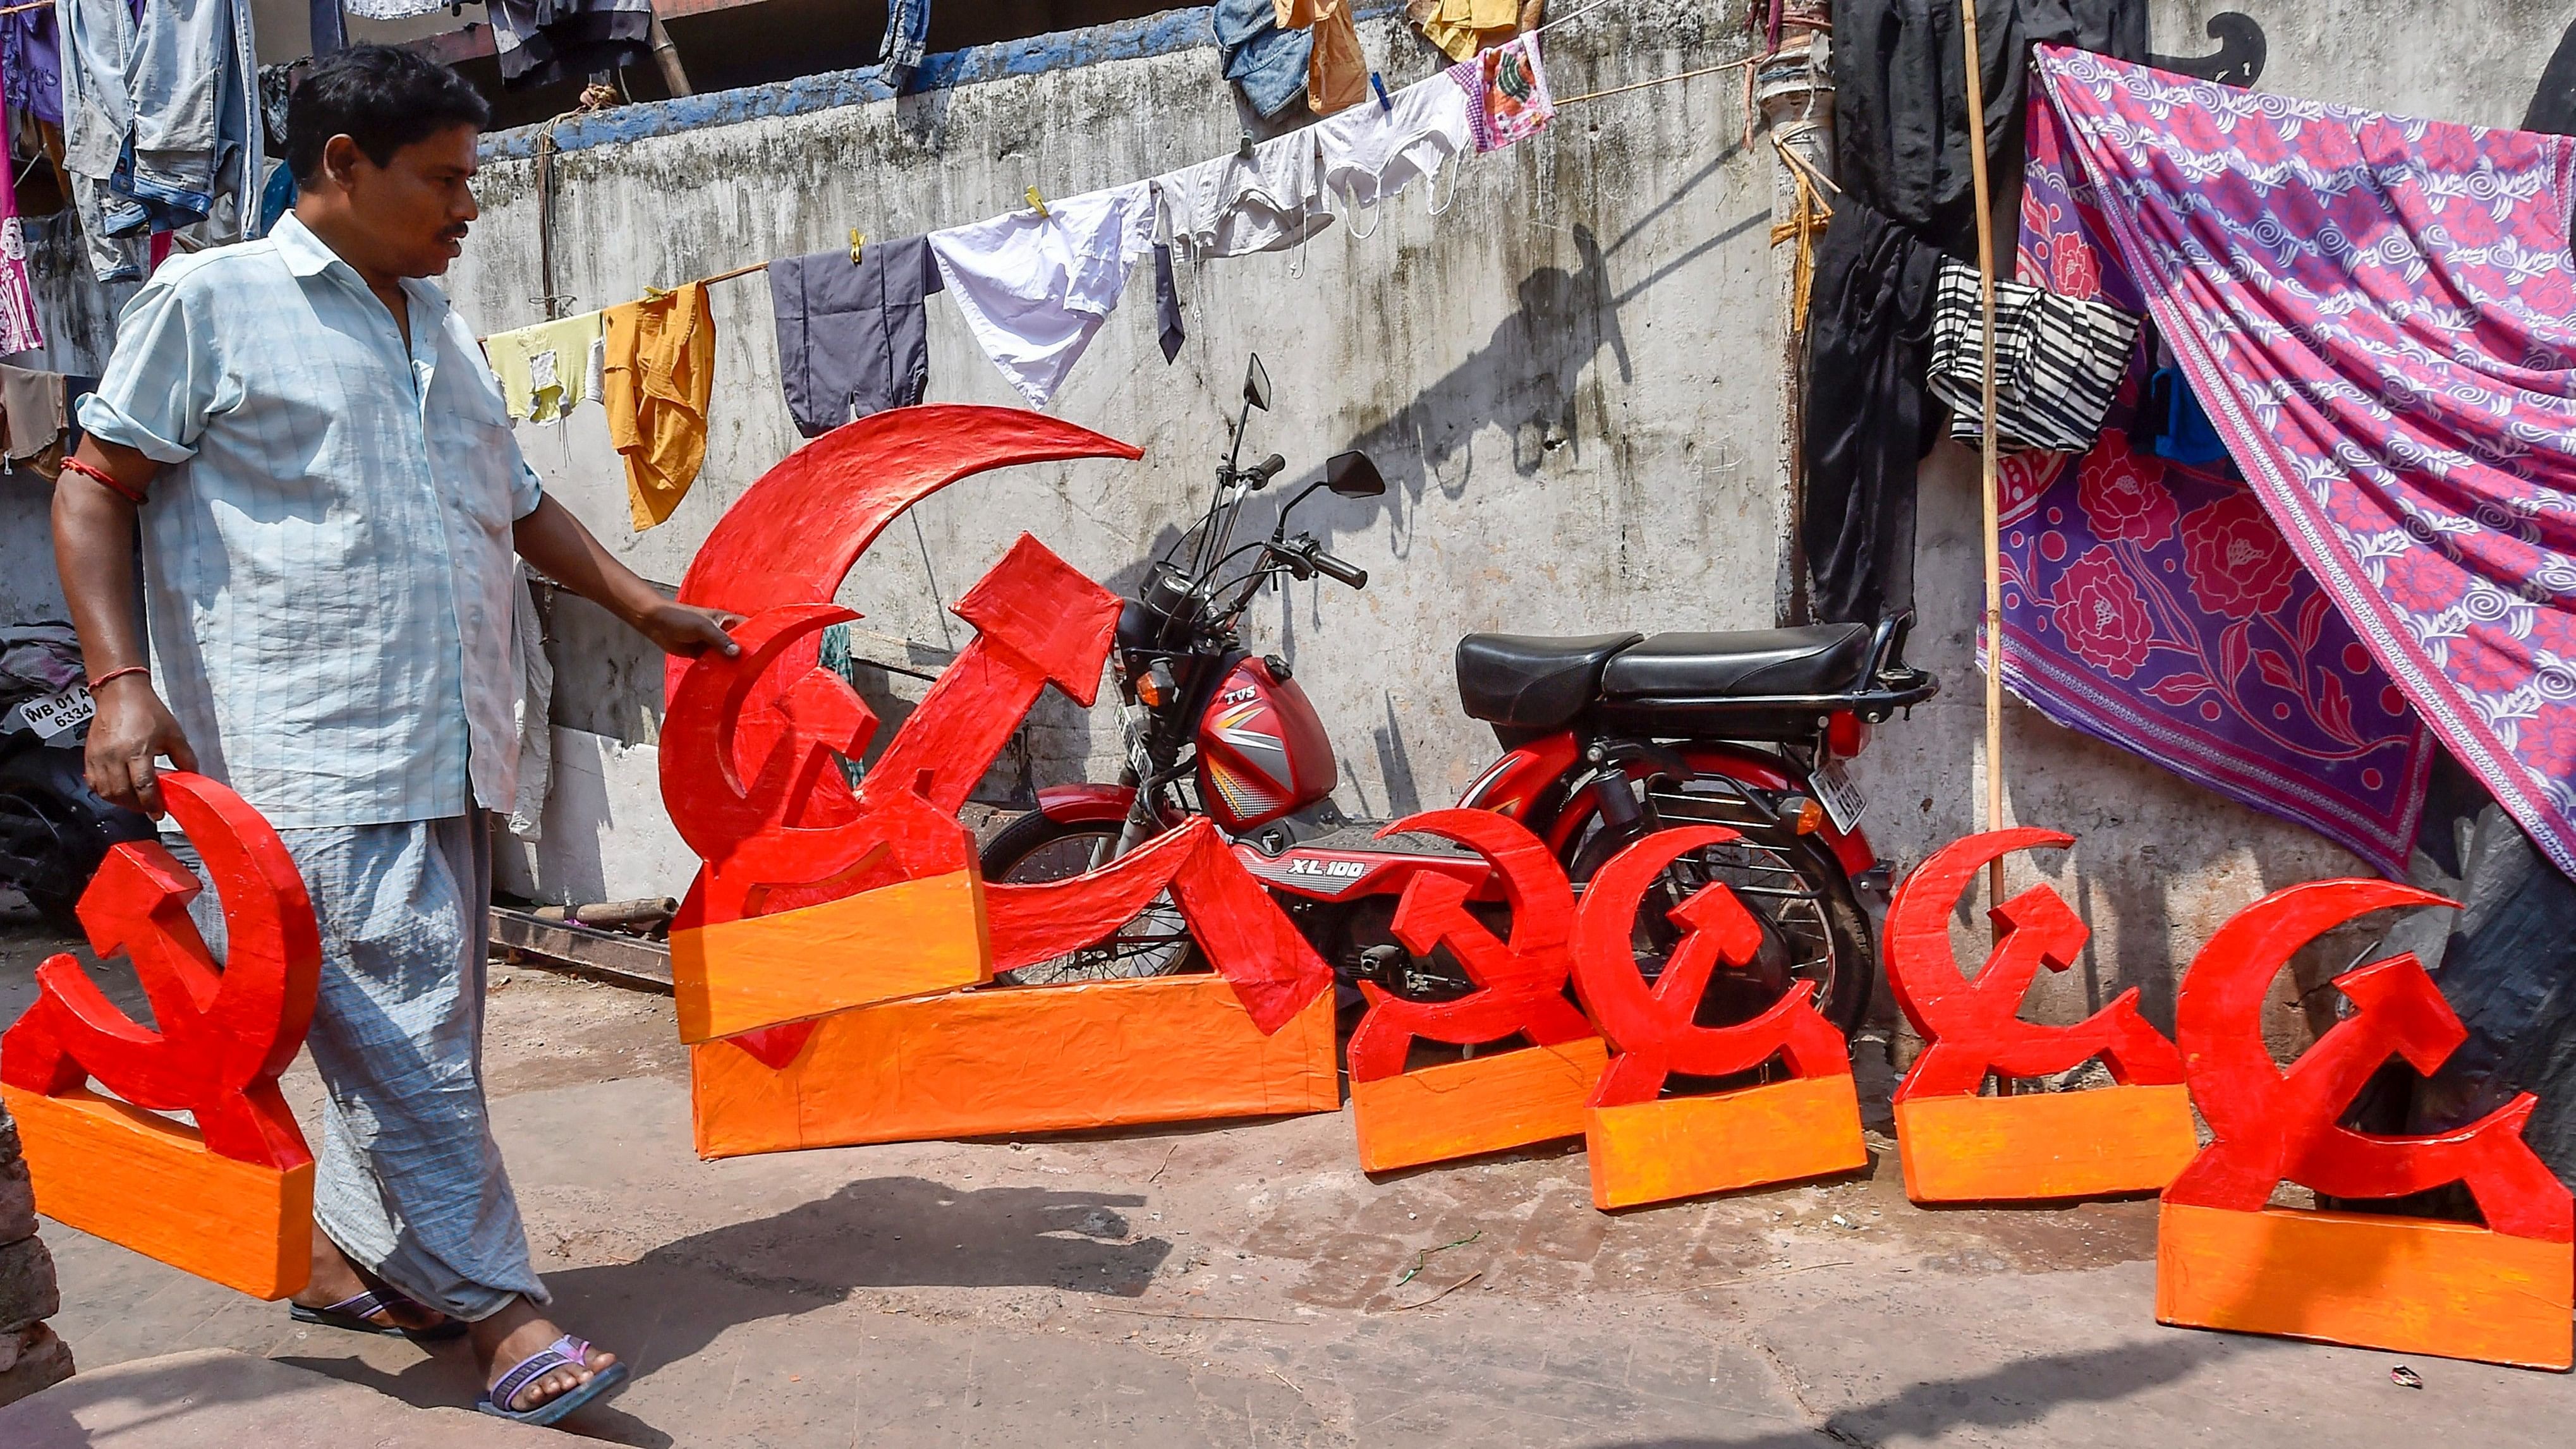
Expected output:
(1033, 850)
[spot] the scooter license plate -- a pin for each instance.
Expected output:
(64, 709)
(1839, 796)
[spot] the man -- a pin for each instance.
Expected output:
(329, 494)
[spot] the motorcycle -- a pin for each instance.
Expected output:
(1606, 738)
(54, 830)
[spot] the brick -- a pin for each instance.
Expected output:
(27, 1290)
(43, 1360)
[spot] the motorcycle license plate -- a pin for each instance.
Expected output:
(64, 709)
(1839, 796)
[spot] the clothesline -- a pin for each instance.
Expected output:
(38, 5)
(1661, 80)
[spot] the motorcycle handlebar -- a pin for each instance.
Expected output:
(1339, 571)
(1260, 474)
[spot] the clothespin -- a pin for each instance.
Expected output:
(858, 239)
(1243, 149)
(1036, 201)
(1384, 102)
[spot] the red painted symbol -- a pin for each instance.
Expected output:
(1520, 984)
(2272, 1126)
(1651, 1029)
(750, 745)
(224, 1034)
(1974, 1027)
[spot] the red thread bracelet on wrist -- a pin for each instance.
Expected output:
(115, 485)
(118, 674)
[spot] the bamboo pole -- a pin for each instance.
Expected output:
(1993, 506)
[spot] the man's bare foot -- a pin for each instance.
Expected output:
(504, 1340)
(337, 1280)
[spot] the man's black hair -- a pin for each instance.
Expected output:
(382, 97)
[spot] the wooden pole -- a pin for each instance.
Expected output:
(1993, 508)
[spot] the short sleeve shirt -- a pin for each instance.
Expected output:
(327, 557)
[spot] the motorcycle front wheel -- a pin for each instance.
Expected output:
(1034, 850)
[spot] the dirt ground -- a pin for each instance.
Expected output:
(1245, 1283)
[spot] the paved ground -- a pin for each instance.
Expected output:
(1245, 1284)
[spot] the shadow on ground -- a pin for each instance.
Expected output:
(2014, 1396)
(898, 1232)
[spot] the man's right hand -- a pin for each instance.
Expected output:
(131, 729)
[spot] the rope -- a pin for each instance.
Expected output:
(1657, 81)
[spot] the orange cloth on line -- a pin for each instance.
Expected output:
(661, 370)
(1337, 71)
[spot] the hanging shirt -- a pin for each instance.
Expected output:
(1236, 205)
(1035, 288)
(1460, 28)
(162, 124)
(327, 559)
(540, 42)
(1337, 71)
(661, 372)
(547, 369)
(31, 411)
(1370, 153)
(853, 337)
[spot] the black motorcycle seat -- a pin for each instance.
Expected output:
(1822, 659)
(1524, 682)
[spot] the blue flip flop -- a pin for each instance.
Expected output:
(564, 1352)
(356, 1315)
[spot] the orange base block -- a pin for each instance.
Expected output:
(2044, 1144)
(143, 1181)
(2402, 1284)
(1686, 1146)
(1485, 1104)
(909, 939)
(1018, 1059)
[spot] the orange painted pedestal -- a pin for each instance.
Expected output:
(1685, 1146)
(1018, 1059)
(148, 1183)
(1488, 1104)
(2402, 1284)
(910, 939)
(2044, 1144)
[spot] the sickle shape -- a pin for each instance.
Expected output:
(1975, 1026)
(792, 536)
(222, 1036)
(2269, 1126)
(1520, 983)
(1653, 1030)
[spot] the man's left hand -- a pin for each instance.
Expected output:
(688, 631)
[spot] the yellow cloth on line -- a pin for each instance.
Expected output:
(546, 369)
(661, 371)
(1463, 27)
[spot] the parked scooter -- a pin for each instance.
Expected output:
(53, 830)
(1607, 738)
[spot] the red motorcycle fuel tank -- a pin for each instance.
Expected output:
(1262, 752)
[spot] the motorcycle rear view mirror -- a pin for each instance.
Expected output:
(1256, 384)
(1352, 475)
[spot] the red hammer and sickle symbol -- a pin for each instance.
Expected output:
(1652, 1029)
(1975, 1026)
(2272, 1126)
(225, 1034)
(1520, 985)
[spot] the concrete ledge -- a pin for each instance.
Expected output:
(218, 1396)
